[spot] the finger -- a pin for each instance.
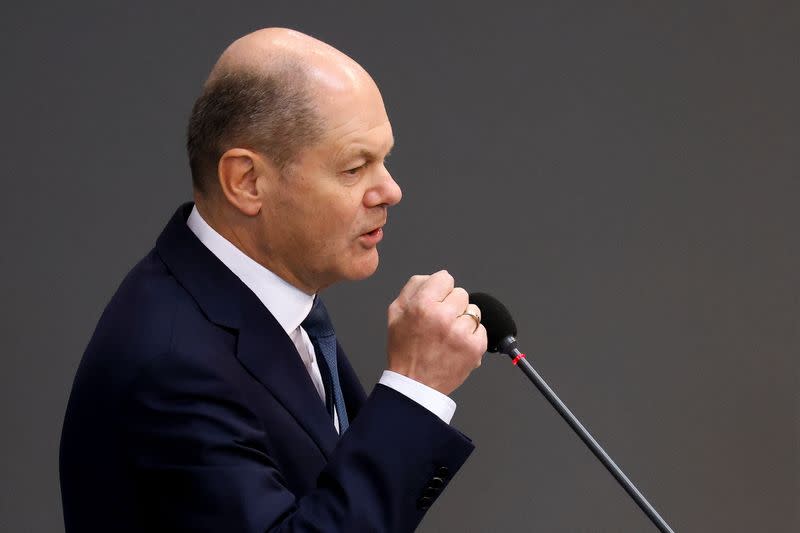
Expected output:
(473, 309)
(411, 287)
(472, 314)
(465, 325)
(436, 287)
(479, 338)
(480, 361)
(457, 301)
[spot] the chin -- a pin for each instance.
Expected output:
(363, 268)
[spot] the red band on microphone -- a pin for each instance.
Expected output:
(517, 358)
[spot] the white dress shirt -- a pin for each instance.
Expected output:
(290, 306)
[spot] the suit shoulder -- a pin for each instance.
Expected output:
(140, 313)
(144, 316)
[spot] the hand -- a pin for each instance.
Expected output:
(430, 340)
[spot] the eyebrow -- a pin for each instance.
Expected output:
(366, 153)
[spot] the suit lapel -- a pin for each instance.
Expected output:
(270, 355)
(263, 348)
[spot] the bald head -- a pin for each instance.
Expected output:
(268, 49)
(265, 93)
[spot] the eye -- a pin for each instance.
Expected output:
(355, 170)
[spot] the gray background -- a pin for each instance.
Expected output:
(624, 175)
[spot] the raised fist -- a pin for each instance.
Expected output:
(435, 336)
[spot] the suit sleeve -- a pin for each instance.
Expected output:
(201, 461)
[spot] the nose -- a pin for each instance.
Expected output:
(386, 192)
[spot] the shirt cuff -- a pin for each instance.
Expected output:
(431, 399)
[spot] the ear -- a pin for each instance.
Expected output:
(241, 178)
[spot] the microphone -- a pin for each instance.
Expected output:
(501, 332)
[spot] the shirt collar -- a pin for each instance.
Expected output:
(288, 304)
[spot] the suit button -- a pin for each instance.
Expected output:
(424, 503)
(430, 492)
(443, 471)
(436, 483)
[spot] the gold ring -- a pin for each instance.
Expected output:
(475, 316)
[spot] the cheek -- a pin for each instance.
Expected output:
(323, 236)
(329, 223)
(341, 218)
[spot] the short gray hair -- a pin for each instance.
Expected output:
(272, 113)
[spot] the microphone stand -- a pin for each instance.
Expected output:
(509, 347)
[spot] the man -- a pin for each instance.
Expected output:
(213, 395)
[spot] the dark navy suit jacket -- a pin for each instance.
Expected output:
(192, 411)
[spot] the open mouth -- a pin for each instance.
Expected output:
(373, 237)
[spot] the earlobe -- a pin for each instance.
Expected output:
(238, 178)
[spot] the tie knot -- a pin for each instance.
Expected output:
(317, 324)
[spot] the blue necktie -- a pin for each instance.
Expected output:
(320, 330)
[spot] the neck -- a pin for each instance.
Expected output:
(241, 236)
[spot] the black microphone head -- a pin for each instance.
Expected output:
(495, 317)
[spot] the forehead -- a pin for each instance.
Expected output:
(372, 143)
(355, 120)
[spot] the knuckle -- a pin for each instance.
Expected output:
(413, 281)
(459, 333)
(418, 306)
(442, 315)
(417, 312)
(445, 275)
